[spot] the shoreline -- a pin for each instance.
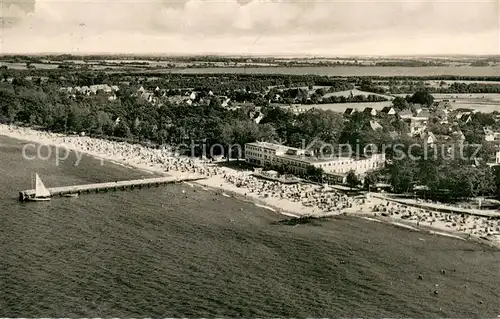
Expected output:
(219, 180)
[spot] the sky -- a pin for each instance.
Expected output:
(251, 27)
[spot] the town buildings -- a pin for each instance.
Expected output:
(298, 160)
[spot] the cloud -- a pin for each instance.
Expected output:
(271, 26)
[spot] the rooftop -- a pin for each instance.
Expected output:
(314, 159)
(270, 146)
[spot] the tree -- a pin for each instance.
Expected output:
(122, 129)
(370, 180)
(496, 178)
(215, 102)
(315, 173)
(399, 103)
(403, 175)
(421, 97)
(320, 92)
(324, 125)
(352, 179)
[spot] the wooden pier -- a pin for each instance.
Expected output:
(119, 185)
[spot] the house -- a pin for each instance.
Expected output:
(225, 103)
(350, 111)
(423, 115)
(443, 105)
(490, 135)
(375, 125)
(115, 88)
(68, 89)
(428, 137)
(497, 158)
(106, 88)
(464, 115)
(297, 160)
(459, 135)
(464, 110)
(141, 90)
(192, 96)
(417, 108)
(148, 97)
(405, 114)
(467, 118)
(259, 117)
(394, 135)
(85, 90)
(442, 115)
(389, 110)
(370, 110)
(112, 97)
(157, 89)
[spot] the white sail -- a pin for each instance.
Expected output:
(40, 189)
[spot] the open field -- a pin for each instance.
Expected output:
(355, 92)
(464, 82)
(22, 66)
(355, 71)
(200, 67)
(487, 102)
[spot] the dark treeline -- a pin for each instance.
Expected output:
(458, 88)
(410, 63)
(433, 77)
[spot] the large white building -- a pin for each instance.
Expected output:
(298, 160)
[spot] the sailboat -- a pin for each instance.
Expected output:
(41, 192)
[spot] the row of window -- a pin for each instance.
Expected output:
(341, 164)
(254, 154)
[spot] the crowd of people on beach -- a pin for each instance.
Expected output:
(472, 225)
(323, 200)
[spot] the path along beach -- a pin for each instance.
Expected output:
(291, 200)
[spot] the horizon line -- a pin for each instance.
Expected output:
(255, 55)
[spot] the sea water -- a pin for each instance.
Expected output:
(182, 251)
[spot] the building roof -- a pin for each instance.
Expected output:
(423, 115)
(324, 159)
(271, 146)
(393, 134)
(350, 110)
(488, 131)
(375, 125)
(405, 113)
(464, 109)
(441, 113)
(387, 109)
(427, 134)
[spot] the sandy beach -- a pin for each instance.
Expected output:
(291, 200)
